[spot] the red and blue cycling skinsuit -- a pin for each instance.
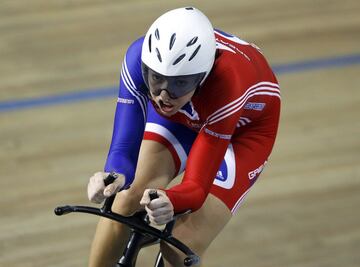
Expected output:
(223, 136)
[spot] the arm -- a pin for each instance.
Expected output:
(203, 163)
(130, 117)
(193, 190)
(129, 124)
(209, 148)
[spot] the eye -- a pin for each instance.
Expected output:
(181, 83)
(172, 96)
(156, 78)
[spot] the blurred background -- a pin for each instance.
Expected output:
(59, 69)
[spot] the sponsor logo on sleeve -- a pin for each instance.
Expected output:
(255, 106)
(125, 100)
(218, 135)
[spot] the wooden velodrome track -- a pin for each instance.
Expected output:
(304, 210)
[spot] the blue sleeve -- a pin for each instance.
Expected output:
(130, 116)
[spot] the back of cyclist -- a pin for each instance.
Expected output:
(193, 101)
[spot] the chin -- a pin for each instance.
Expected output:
(169, 114)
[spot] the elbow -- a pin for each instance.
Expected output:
(199, 201)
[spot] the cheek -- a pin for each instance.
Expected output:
(187, 98)
(183, 100)
(151, 87)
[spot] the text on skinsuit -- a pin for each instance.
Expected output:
(218, 135)
(255, 106)
(125, 101)
(257, 171)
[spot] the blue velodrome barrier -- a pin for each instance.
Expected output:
(108, 92)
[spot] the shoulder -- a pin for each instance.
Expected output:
(246, 57)
(133, 53)
(239, 73)
(135, 47)
(239, 65)
(229, 79)
(131, 75)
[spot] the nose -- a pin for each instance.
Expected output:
(164, 95)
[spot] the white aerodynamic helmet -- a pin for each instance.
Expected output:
(181, 42)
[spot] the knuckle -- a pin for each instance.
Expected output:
(97, 195)
(92, 198)
(93, 180)
(156, 213)
(109, 188)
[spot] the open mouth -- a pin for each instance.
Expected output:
(165, 107)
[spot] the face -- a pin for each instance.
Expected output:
(167, 103)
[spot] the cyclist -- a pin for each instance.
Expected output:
(195, 101)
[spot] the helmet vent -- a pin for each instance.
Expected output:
(194, 53)
(189, 8)
(157, 34)
(172, 40)
(158, 54)
(150, 43)
(192, 41)
(179, 59)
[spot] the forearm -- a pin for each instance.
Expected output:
(122, 163)
(202, 165)
(187, 196)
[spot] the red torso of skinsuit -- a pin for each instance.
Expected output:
(241, 95)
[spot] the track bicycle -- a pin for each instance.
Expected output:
(142, 234)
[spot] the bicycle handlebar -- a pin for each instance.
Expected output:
(136, 222)
(110, 178)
